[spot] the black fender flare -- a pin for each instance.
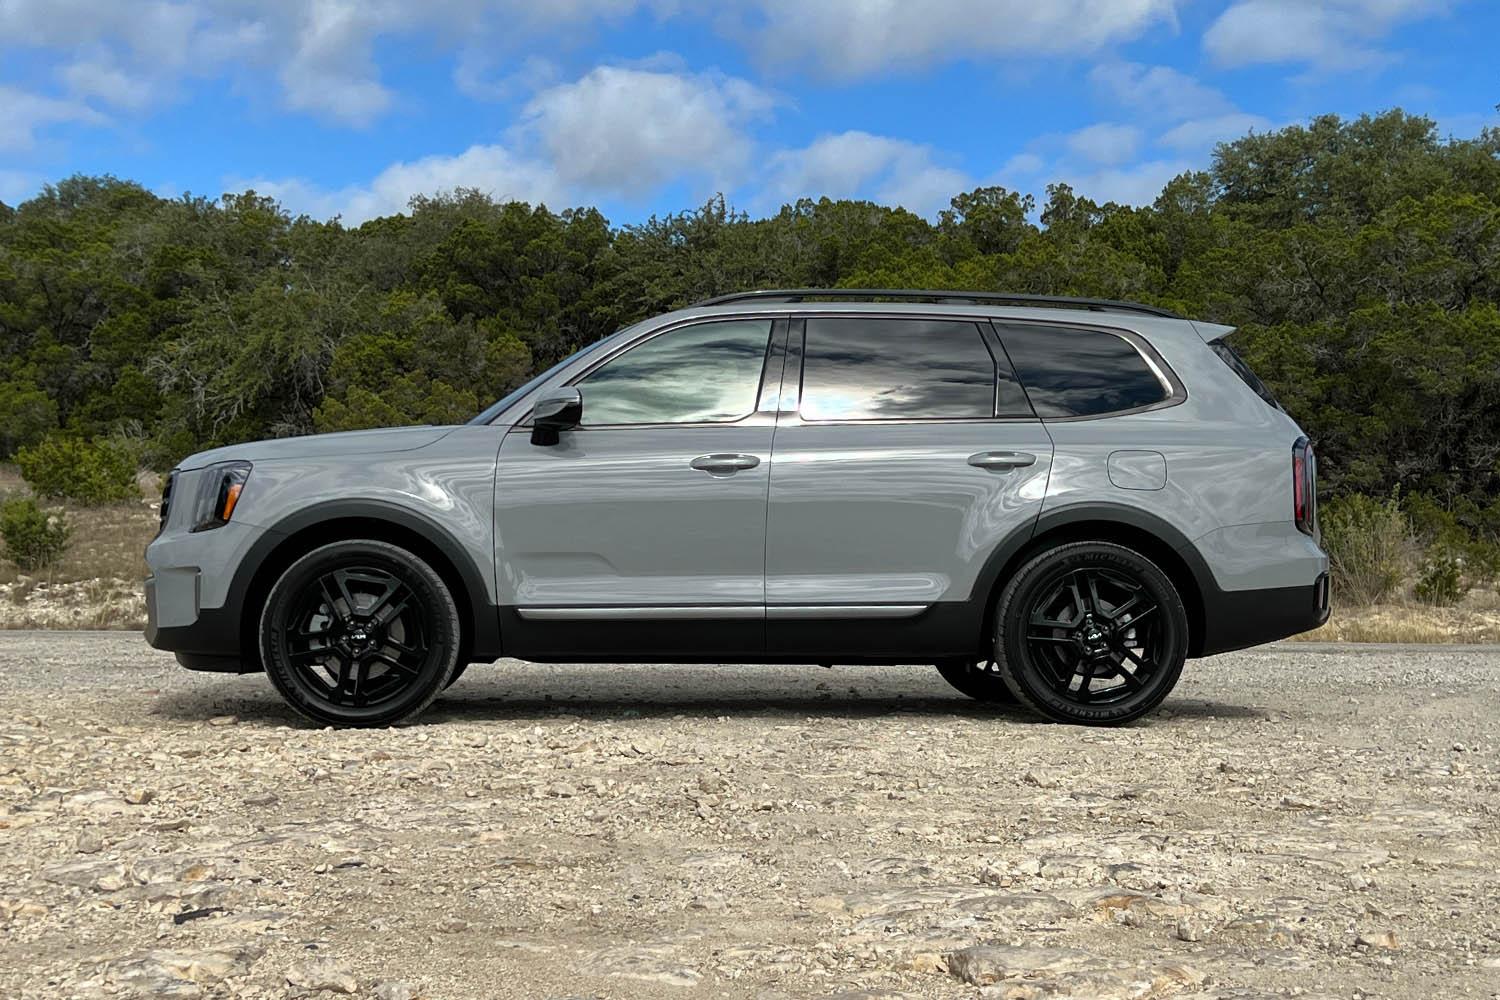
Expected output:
(473, 598)
(1134, 519)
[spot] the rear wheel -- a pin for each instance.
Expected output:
(360, 633)
(979, 680)
(1091, 633)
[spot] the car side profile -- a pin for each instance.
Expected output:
(1056, 502)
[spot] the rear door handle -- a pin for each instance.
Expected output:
(1002, 460)
(724, 465)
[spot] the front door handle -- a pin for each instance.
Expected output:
(1002, 460)
(724, 465)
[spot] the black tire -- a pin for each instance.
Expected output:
(360, 633)
(458, 672)
(1091, 633)
(979, 680)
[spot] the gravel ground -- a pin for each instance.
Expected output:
(1299, 821)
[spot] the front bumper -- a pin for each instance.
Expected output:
(204, 639)
(1237, 619)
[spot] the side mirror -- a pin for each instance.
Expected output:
(555, 411)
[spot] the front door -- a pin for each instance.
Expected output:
(909, 456)
(645, 526)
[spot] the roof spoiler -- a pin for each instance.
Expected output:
(1212, 332)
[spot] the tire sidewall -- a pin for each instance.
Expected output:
(1023, 676)
(428, 587)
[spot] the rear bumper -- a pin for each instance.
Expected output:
(1236, 619)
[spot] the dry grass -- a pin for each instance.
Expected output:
(1475, 620)
(97, 583)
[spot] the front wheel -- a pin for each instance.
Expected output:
(360, 633)
(1091, 633)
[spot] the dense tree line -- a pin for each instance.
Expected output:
(1361, 260)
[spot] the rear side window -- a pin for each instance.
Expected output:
(1236, 364)
(901, 369)
(1080, 373)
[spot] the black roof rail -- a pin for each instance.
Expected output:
(937, 295)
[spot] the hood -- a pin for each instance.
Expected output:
(387, 439)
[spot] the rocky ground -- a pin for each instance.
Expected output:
(1302, 822)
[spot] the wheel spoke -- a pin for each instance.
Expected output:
(1084, 675)
(1092, 580)
(343, 679)
(1079, 608)
(1131, 680)
(332, 603)
(394, 664)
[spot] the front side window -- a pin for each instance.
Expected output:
(706, 373)
(896, 369)
(1080, 373)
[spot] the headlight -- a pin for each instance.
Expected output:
(219, 488)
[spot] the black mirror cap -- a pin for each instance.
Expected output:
(557, 411)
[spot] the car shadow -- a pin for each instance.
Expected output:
(603, 694)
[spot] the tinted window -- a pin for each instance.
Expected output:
(1080, 373)
(708, 373)
(895, 369)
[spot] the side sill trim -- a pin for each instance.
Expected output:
(673, 613)
(801, 612)
(710, 612)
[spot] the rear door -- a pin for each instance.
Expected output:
(905, 452)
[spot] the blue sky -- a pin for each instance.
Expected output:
(350, 107)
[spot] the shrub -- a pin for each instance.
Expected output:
(1482, 560)
(74, 469)
(1441, 582)
(33, 538)
(1369, 546)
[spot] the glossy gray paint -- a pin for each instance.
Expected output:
(864, 519)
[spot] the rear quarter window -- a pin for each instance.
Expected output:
(1237, 364)
(1071, 372)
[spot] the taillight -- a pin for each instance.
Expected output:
(1304, 487)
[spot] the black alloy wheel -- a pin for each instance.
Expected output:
(360, 633)
(979, 679)
(1091, 632)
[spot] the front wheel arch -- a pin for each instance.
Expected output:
(311, 533)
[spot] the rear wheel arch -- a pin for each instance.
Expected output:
(317, 526)
(1135, 529)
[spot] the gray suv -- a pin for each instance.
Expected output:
(1054, 501)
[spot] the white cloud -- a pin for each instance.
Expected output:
(18, 185)
(22, 113)
(1202, 134)
(858, 164)
(1138, 184)
(99, 79)
(494, 170)
(626, 131)
(1106, 143)
(852, 38)
(1157, 91)
(320, 51)
(1329, 34)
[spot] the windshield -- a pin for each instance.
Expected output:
(508, 400)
